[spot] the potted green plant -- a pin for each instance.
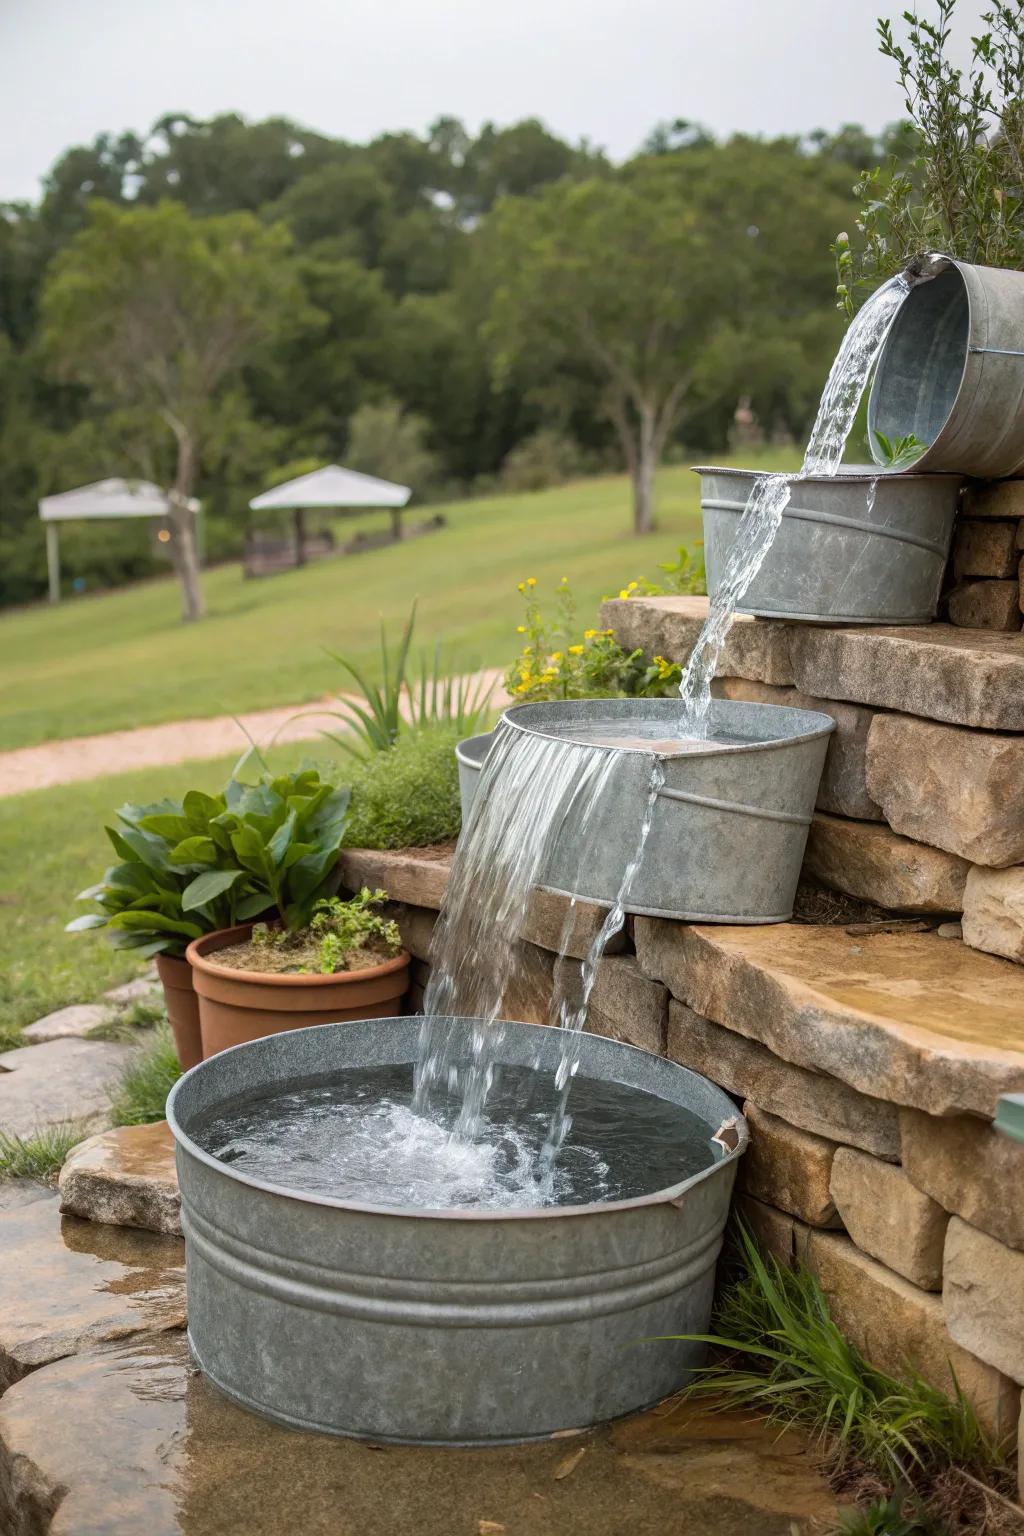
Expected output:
(345, 961)
(209, 862)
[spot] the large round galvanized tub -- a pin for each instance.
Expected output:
(469, 756)
(446, 1326)
(730, 824)
(855, 548)
(952, 369)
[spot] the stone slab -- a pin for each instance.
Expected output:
(76, 1283)
(994, 912)
(969, 1168)
(873, 863)
(983, 1297)
(74, 1022)
(905, 1017)
(417, 876)
(895, 1325)
(991, 605)
(143, 989)
(997, 498)
(626, 1005)
(889, 1218)
(985, 547)
(843, 788)
(60, 1082)
(566, 927)
(809, 1100)
(14, 1193)
(131, 1439)
(788, 1168)
(954, 789)
(124, 1177)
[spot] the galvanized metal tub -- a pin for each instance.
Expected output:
(443, 1326)
(730, 824)
(470, 755)
(855, 548)
(952, 369)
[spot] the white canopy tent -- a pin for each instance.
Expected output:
(335, 487)
(103, 499)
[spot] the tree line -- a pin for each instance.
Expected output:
(220, 304)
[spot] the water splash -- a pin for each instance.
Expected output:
(770, 494)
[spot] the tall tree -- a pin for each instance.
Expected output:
(616, 279)
(155, 310)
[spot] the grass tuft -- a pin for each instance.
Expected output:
(37, 1157)
(126, 1022)
(146, 1082)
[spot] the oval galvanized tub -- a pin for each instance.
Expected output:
(856, 548)
(470, 755)
(730, 825)
(445, 1326)
(952, 369)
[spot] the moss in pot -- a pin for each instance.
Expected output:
(347, 962)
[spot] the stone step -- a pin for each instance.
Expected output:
(66, 1081)
(124, 1177)
(873, 863)
(971, 677)
(910, 1018)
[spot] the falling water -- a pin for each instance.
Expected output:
(769, 495)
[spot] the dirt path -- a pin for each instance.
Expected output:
(151, 746)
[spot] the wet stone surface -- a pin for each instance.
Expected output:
(185, 1462)
(125, 1177)
(67, 1284)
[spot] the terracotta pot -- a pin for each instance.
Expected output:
(235, 1006)
(182, 1008)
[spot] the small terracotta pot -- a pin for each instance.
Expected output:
(182, 1008)
(235, 1006)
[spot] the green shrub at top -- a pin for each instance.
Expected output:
(408, 796)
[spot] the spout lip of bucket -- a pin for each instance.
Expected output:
(670, 1194)
(927, 266)
(816, 724)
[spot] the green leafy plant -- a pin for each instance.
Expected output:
(141, 1095)
(685, 576)
(37, 1157)
(407, 797)
(338, 933)
(899, 452)
(555, 664)
(964, 193)
(209, 861)
(399, 702)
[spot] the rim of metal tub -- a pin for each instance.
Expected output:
(709, 749)
(669, 1195)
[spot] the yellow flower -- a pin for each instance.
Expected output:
(556, 655)
(520, 629)
(609, 631)
(531, 581)
(522, 586)
(576, 650)
(589, 634)
(624, 592)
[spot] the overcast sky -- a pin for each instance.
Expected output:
(605, 70)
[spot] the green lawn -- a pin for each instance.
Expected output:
(123, 659)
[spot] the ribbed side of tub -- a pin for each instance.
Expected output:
(851, 550)
(449, 1328)
(730, 824)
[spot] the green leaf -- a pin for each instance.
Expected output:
(155, 922)
(208, 886)
(253, 905)
(171, 828)
(278, 846)
(195, 850)
(87, 921)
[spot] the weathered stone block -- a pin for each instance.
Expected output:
(888, 1217)
(984, 547)
(896, 1325)
(997, 498)
(875, 864)
(985, 605)
(565, 927)
(75, 1022)
(983, 1297)
(788, 1168)
(954, 789)
(994, 911)
(969, 1169)
(417, 876)
(416, 925)
(669, 626)
(843, 788)
(905, 1017)
(809, 1100)
(934, 670)
(626, 1005)
(774, 1231)
(125, 1177)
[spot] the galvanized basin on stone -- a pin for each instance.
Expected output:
(730, 824)
(857, 548)
(447, 1326)
(470, 755)
(952, 369)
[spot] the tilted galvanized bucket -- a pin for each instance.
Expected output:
(855, 548)
(730, 824)
(470, 755)
(445, 1326)
(952, 369)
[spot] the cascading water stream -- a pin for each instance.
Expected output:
(770, 494)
